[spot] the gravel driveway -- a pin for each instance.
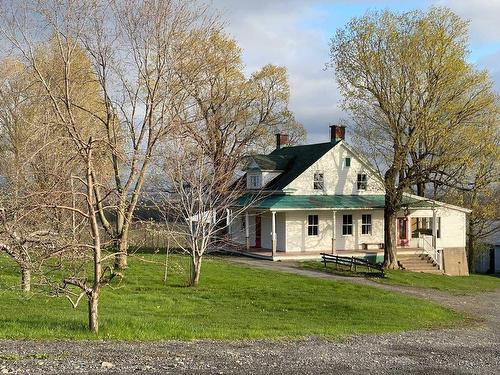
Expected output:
(473, 350)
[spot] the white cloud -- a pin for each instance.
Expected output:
(484, 17)
(294, 34)
(274, 32)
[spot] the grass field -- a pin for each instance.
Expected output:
(232, 302)
(452, 284)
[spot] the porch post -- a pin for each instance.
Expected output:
(247, 232)
(273, 233)
(434, 227)
(333, 231)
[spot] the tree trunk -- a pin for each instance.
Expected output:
(93, 315)
(25, 279)
(471, 242)
(421, 189)
(121, 261)
(195, 270)
(390, 255)
(392, 198)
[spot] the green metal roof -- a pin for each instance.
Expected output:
(299, 202)
(298, 159)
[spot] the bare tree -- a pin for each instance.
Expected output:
(134, 47)
(199, 189)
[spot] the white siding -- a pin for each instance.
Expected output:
(238, 232)
(297, 238)
(338, 178)
(453, 225)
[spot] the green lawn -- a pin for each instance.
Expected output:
(452, 284)
(232, 302)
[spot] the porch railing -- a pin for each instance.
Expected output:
(436, 254)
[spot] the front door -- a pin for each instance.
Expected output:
(257, 231)
(402, 225)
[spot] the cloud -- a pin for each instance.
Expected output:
(295, 34)
(484, 16)
(285, 33)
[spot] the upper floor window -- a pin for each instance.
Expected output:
(319, 181)
(347, 225)
(255, 181)
(347, 162)
(361, 181)
(366, 224)
(312, 225)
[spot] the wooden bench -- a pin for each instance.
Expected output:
(365, 245)
(352, 262)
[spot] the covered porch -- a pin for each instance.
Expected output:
(281, 227)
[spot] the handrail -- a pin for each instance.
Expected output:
(429, 249)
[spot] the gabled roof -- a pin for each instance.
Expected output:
(297, 202)
(270, 162)
(294, 161)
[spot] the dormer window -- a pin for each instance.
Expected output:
(254, 181)
(319, 182)
(362, 181)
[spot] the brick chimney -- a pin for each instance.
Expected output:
(337, 133)
(281, 140)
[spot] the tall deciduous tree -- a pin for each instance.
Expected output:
(228, 113)
(134, 48)
(412, 95)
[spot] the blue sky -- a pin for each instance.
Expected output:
(296, 34)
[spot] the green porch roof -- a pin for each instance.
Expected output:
(299, 202)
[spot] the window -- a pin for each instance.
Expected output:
(361, 181)
(366, 224)
(423, 225)
(319, 183)
(347, 162)
(312, 225)
(347, 225)
(255, 181)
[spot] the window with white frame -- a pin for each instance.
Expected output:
(319, 181)
(254, 181)
(347, 225)
(312, 225)
(361, 181)
(366, 224)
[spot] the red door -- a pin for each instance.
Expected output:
(257, 231)
(402, 229)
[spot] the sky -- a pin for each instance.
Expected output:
(296, 34)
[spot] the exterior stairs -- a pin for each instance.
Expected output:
(418, 263)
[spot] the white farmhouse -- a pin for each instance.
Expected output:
(326, 198)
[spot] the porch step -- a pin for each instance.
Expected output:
(418, 263)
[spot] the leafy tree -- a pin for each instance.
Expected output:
(229, 114)
(412, 95)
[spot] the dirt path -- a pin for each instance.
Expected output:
(471, 350)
